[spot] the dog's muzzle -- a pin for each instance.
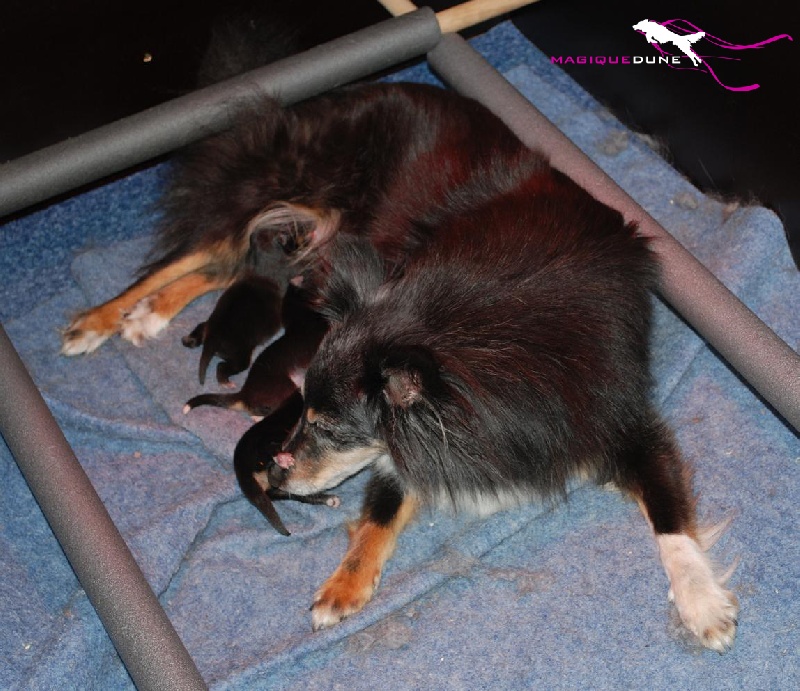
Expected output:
(276, 475)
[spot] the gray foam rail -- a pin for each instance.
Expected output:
(750, 346)
(92, 156)
(145, 639)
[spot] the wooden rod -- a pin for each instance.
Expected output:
(460, 16)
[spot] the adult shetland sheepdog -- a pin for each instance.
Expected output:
(321, 167)
(489, 322)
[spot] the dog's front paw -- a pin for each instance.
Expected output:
(84, 335)
(142, 323)
(711, 615)
(343, 594)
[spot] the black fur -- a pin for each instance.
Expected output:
(249, 312)
(246, 315)
(253, 456)
(510, 355)
(341, 151)
(270, 379)
(476, 324)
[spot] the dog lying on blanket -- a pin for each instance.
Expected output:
(489, 322)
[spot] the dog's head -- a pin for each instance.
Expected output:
(362, 380)
(355, 390)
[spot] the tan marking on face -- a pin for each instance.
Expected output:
(311, 416)
(333, 468)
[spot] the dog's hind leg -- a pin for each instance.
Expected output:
(151, 314)
(660, 481)
(387, 510)
(94, 326)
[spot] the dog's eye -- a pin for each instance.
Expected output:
(323, 427)
(326, 430)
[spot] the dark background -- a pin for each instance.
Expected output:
(68, 67)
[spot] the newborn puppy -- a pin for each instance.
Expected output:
(246, 315)
(279, 369)
(253, 456)
(249, 312)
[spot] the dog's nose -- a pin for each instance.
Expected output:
(284, 460)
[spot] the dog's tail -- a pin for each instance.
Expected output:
(219, 400)
(694, 38)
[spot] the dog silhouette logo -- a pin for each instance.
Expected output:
(658, 33)
(684, 36)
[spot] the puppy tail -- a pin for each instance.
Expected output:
(205, 359)
(264, 504)
(219, 400)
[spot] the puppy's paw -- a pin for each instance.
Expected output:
(344, 593)
(141, 323)
(85, 334)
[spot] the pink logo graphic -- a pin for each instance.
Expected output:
(688, 38)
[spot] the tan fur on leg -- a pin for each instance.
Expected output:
(353, 583)
(94, 326)
(151, 315)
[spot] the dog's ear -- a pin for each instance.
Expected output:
(355, 271)
(292, 227)
(409, 374)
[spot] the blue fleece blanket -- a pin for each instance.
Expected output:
(547, 597)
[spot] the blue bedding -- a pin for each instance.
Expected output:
(548, 597)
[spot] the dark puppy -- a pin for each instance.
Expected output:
(279, 369)
(253, 456)
(510, 356)
(246, 315)
(249, 312)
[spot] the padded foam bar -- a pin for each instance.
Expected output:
(769, 365)
(140, 630)
(163, 128)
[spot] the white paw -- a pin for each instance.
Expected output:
(76, 341)
(710, 613)
(141, 323)
(706, 607)
(323, 616)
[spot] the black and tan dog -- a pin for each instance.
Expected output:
(319, 168)
(489, 322)
(509, 357)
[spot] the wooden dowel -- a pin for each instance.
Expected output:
(474, 12)
(460, 16)
(398, 7)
